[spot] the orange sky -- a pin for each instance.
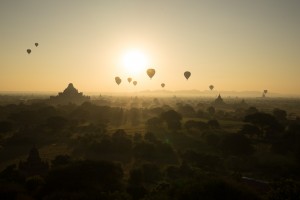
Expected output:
(240, 45)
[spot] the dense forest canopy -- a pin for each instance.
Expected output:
(150, 148)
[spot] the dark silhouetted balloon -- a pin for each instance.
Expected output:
(129, 79)
(28, 51)
(118, 80)
(187, 75)
(134, 83)
(163, 85)
(211, 87)
(150, 72)
(265, 91)
(36, 44)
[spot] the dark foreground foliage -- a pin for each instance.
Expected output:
(148, 150)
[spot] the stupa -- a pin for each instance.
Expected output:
(33, 165)
(69, 95)
(219, 101)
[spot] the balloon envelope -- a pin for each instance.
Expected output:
(28, 51)
(36, 44)
(118, 80)
(187, 75)
(134, 82)
(129, 79)
(150, 72)
(211, 87)
(163, 85)
(265, 91)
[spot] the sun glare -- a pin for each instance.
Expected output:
(135, 62)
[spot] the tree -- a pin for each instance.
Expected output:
(60, 160)
(192, 124)
(213, 123)
(200, 113)
(154, 123)
(56, 123)
(145, 151)
(236, 144)
(285, 189)
(11, 174)
(149, 136)
(173, 119)
(135, 189)
(34, 183)
(289, 142)
(211, 110)
(206, 161)
(279, 114)
(26, 118)
(5, 126)
(251, 110)
(251, 130)
(137, 137)
(99, 176)
(151, 173)
(116, 116)
(211, 188)
(186, 110)
(212, 139)
(267, 123)
(121, 142)
(134, 116)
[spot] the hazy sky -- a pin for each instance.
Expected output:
(233, 44)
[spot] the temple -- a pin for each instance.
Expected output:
(33, 165)
(219, 101)
(69, 95)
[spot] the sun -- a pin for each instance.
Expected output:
(135, 62)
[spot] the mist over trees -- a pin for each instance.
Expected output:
(150, 148)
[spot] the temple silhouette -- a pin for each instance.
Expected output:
(219, 101)
(69, 95)
(33, 165)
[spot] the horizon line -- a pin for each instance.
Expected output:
(250, 92)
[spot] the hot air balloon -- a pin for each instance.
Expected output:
(211, 87)
(129, 79)
(134, 83)
(118, 80)
(163, 85)
(28, 51)
(36, 44)
(150, 72)
(187, 75)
